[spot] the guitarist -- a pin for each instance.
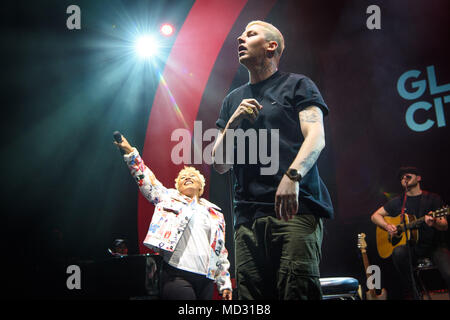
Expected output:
(432, 234)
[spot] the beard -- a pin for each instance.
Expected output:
(412, 184)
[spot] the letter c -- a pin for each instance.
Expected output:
(412, 124)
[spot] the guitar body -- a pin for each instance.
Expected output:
(386, 244)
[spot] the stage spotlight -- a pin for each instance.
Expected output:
(146, 46)
(167, 30)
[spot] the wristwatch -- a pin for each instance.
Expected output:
(293, 174)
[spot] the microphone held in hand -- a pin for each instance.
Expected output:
(118, 137)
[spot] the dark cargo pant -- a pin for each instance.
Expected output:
(279, 260)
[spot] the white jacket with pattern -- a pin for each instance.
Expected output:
(171, 217)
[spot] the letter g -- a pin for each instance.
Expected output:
(420, 85)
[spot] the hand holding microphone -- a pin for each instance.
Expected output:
(122, 143)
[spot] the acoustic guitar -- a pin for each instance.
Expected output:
(387, 243)
(371, 294)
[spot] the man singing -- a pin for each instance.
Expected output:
(278, 223)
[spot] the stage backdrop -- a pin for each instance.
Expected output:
(67, 192)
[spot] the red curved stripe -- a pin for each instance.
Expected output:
(187, 71)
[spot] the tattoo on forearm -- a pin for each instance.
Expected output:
(310, 115)
(309, 161)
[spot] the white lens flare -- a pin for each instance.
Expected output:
(146, 46)
(166, 30)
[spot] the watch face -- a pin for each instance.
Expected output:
(293, 174)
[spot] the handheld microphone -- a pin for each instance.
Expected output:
(118, 137)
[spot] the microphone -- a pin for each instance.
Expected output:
(407, 179)
(118, 137)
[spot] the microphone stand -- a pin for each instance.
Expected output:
(416, 294)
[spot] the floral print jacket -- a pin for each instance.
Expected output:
(171, 216)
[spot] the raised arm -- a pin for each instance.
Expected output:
(149, 186)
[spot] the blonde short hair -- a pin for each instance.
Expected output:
(271, 33)
(188, 170)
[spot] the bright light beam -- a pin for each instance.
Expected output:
(146, 46)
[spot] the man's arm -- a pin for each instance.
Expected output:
(311, 126)
(439, 223)
(378, 219)
(219, 161)
(219, 153)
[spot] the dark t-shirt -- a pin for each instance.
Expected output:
(419, 206)
(283, 96)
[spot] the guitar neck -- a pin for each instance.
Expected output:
(366, 266)
(415, 223)
(365, 261)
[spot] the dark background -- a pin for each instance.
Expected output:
(66, 193)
